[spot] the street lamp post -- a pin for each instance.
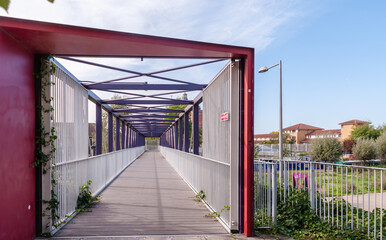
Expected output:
(262, 70)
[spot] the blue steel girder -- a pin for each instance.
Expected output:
(146, 86)
(149, 110)
(166, 102)
(155, 120)
(150, 124)
(125, 70)
(150, 116)
(161, 71)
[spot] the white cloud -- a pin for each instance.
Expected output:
(253, 23)
(250, 22)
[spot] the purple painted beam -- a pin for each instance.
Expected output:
(124, 70)
(195, 129)
(110, 132)
(149, 110)
(127, 136)
(123, 135)
(180, 142)
(176, 136)
(150, 116)
(130, 143)
(163, 71)
(98, 123)
(117, 134)
(186, 132)
(145, 86)
(149, 123)
(165, 102)
(150, 120)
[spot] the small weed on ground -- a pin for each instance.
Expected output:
(85, 198)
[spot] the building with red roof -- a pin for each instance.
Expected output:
(303, 133)
(347, 127)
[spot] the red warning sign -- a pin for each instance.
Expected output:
(224, 116)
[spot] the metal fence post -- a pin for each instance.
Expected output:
(312, 186)
(284, 168)
(274, 192)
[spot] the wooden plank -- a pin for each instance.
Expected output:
(149, 198)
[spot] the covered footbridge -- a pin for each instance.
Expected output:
(149, 160)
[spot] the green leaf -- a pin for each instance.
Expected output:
(4, 4)
(51, 1)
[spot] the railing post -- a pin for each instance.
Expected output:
(110, 132)
(195, 128)
(98, 128)
(186, 132)
(117, 134)
(274, 192)
(180, 135)
(284, 172)
(312, 186)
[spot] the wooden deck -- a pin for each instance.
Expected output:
(148, 198)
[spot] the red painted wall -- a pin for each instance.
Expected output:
(17, 119)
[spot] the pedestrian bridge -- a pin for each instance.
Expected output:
(150, 153)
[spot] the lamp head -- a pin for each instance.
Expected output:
(263, 69)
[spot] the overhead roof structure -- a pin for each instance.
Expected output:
(67, 42)
(58, 39)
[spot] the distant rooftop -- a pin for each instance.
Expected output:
(321, 132)
(302, 126)
(354, 122)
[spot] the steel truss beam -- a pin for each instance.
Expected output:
(146, 86)
(158, 72)
(149, 110)
(166, 102)
(150, 116)
(127, 71)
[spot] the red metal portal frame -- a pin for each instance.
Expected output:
(48, 38)
(248, 145)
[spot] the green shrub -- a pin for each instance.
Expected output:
(325, 149)
(365, 149)
(381, 146)
(296, 219)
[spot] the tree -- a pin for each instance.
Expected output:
(381, 146)
(365, 131)
(365, 149)
(5, 4)
(275, 139)
(347, 145)
(325, 149)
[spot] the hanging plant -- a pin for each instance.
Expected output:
(46, 138)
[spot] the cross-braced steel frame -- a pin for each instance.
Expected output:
(145, 115)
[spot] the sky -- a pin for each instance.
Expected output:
(334, 67)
